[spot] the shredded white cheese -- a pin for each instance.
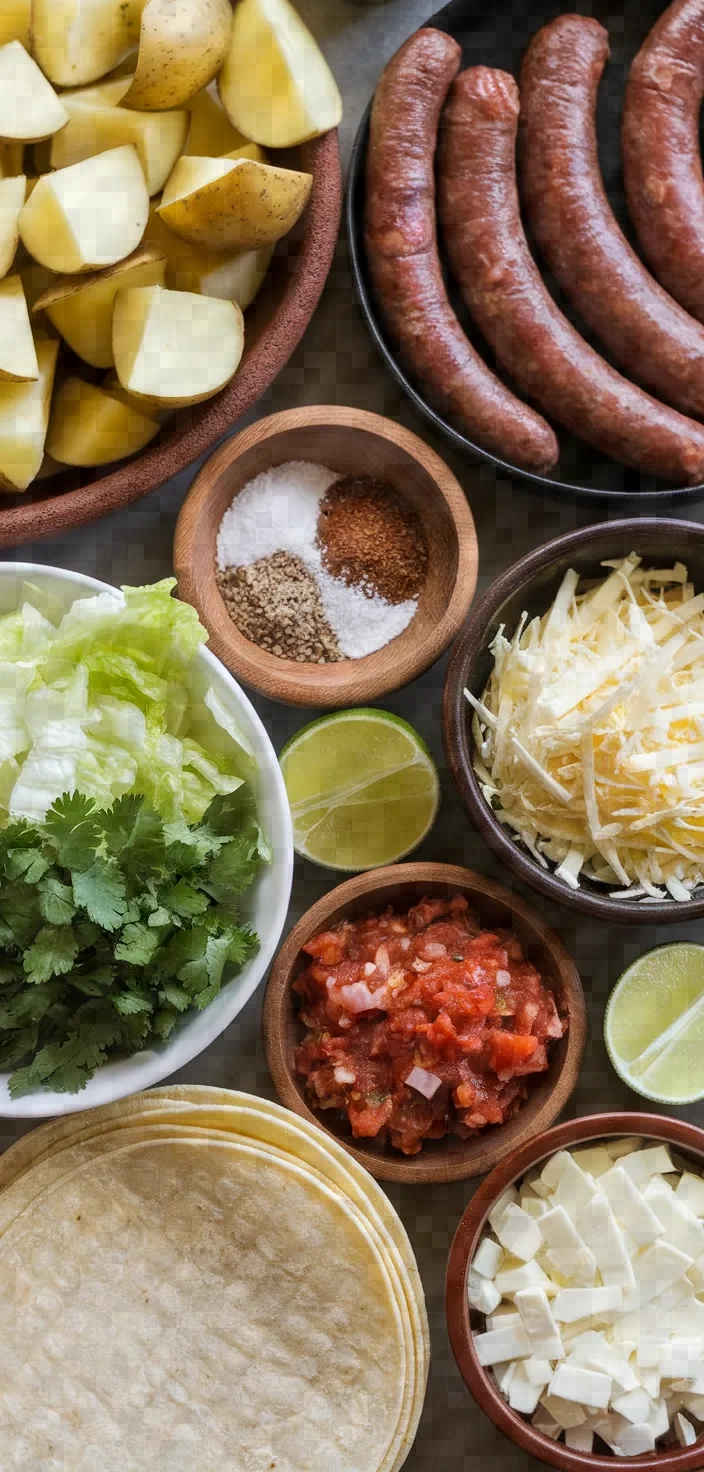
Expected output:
(589, 737)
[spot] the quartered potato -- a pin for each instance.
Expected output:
(89, 427)
(234, 275)
(95, 125)
(276, 86)
(15, 17)
(154, 408)
(79, 41)
(211, 133)
(230, 204)
(12, 192)
(24, 418)
(18, 358)
(182, 46)
(81, 307)
(175, 346)
(29, 106)
(89, 215)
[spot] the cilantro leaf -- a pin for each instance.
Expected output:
(137, 944)
(102, 892)
(185, 900)
(52, 953)
(20, 911)
(130, 1002)
(175, 995)
(74, 830)
(56, 900)
(118, 822)
(234, 867)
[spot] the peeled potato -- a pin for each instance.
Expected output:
(174, 346)
(18, 358)
(15, 18)
(79, 41)
(24, 418)
(182, 46)
(236, 276)
(29, 106)
(89, 427)
(93, 127)
(232, 204)
(12, 193)
(89, 215)
(211, 133)
(154, 408)
(276, 86)
(81, 307)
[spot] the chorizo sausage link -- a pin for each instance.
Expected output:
(401, 245)
(662, 166)
(657, 342)
(508, 300)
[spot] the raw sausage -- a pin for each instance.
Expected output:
(657, 342)
(662, 166)
(401, 243)
(508, 300)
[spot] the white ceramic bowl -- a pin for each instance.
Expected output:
(265, 905)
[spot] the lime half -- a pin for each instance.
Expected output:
(363, 789)
(654, 1025)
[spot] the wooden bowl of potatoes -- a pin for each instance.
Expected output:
(167, 225)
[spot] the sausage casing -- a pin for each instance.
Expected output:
(662, 166)
(657, 342)
(508, 300)
(401, 246)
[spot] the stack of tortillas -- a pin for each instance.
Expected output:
(195, 1280)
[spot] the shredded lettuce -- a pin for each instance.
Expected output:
(98, 702)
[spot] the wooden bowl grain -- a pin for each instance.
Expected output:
(353, 442)
(688, 1140)
(531, 585)
(402, 885)
(274, 326)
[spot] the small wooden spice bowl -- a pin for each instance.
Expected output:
(352, 442)
(688, 1141)
(402, 885)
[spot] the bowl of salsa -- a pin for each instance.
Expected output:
(426, 1017)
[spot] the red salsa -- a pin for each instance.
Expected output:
(422, 1024)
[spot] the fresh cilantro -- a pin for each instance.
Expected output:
(113, 923)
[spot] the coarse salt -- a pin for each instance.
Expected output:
(278, 511)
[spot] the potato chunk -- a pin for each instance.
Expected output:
(95, 125)
(79, 41)
(18, 359)
(182, 46)
(232, 204)
(276, 85)
(29, 107)
(12, 192)
(173, 346)
(81, 307)
(89, 427)
(24, 418)
(89, 215)
(234, 275)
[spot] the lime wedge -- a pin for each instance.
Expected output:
(654, 1024)
(363, 789)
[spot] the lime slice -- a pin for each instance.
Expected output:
(654, 1025)
(363, 789)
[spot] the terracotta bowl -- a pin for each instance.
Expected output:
(274, 325)
(531, 585)
(353, 442)
(461, 1320)
(402, 885)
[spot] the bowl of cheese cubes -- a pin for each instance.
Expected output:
(575, 1294)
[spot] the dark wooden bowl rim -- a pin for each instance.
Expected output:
(643, 534)
(676, 1132)
(449, 1159)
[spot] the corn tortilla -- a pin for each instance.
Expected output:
(179, 1303)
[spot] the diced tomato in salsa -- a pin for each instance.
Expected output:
(422, 1024)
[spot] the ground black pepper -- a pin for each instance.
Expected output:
(276, 603)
